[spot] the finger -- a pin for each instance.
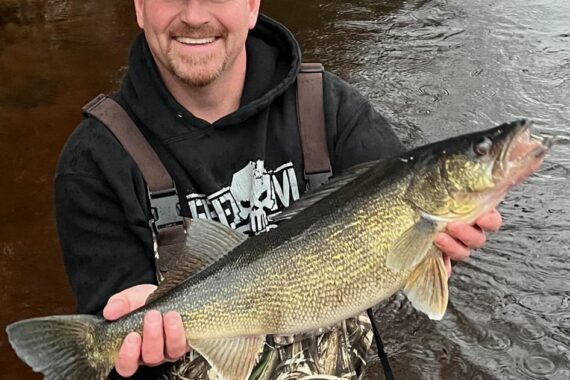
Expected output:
(116, 307)
(491, 221)
(174, 335)
(447, 262)
(153, 339)
(470, 236)
(138, 294)
(127, 361)
(451, 247)
(127, 300)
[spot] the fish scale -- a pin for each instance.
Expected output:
(361, 248)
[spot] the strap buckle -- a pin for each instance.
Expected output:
(165, 208)
(315, 180)
(165, 212)
(307, 67)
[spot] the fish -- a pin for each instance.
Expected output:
(337, 252)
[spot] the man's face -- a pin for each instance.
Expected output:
(196, 41)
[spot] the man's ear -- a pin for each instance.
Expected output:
(253, 6)
(139, 6)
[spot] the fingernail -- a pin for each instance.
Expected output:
(133, 338)
(117, 302)
(152, 316)
(440, 239)
(171, 319)
(454, 227)
(114, 308)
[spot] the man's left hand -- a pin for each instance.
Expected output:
(456, 243)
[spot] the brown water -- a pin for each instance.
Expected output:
(436, 68)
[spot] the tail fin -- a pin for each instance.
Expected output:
(61, 347)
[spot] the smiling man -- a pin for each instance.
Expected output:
(200, 51)
(211, 85)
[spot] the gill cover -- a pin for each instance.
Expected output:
(469, 166)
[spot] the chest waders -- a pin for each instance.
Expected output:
(335, 353)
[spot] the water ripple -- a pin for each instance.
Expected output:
(531, 334)
(543, 303)
(437, 68)
(496, 341)
(537, 367)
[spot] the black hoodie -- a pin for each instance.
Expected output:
(239, 169)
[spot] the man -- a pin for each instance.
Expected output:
(211, 85)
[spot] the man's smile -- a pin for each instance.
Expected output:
(195, 41)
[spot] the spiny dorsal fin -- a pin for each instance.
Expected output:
(232, 358)
(325, 190)
(206, 242)
(412, 247)
(427, 287)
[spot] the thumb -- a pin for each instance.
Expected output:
(116, 307)
(127, 300)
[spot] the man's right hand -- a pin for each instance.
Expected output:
(163, 338)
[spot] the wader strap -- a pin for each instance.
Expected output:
(311, 118)
(167, 225)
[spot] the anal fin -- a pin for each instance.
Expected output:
(426, 286)
(232, 358)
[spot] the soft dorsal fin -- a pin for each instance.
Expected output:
(232, 358)
(206, 242)
(412, 247)
(325, 190)
(427, 286)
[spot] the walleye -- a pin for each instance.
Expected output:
(337, 252)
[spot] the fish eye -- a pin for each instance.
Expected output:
(483, 146)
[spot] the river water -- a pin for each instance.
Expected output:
(435, 68)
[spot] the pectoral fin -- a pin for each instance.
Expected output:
(411, 248)
(427, 287)
(232, 358)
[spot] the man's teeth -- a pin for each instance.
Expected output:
(195, 41)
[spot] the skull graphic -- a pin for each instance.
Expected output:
(251, 188)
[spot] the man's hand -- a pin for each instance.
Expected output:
(456, 243)
(163, 339)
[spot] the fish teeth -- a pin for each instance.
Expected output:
(195, 41)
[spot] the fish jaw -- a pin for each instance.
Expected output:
(522, 157)
(517, 153)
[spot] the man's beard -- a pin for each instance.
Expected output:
(195, 71)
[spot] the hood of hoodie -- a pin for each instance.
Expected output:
(273, 61)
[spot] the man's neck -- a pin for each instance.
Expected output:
(214, 101)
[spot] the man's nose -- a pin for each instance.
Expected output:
(195, 12)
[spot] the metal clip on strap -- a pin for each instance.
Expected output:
(166, 223)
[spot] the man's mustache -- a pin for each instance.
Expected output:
(204, 31)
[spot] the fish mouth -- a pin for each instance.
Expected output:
(522, 154)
